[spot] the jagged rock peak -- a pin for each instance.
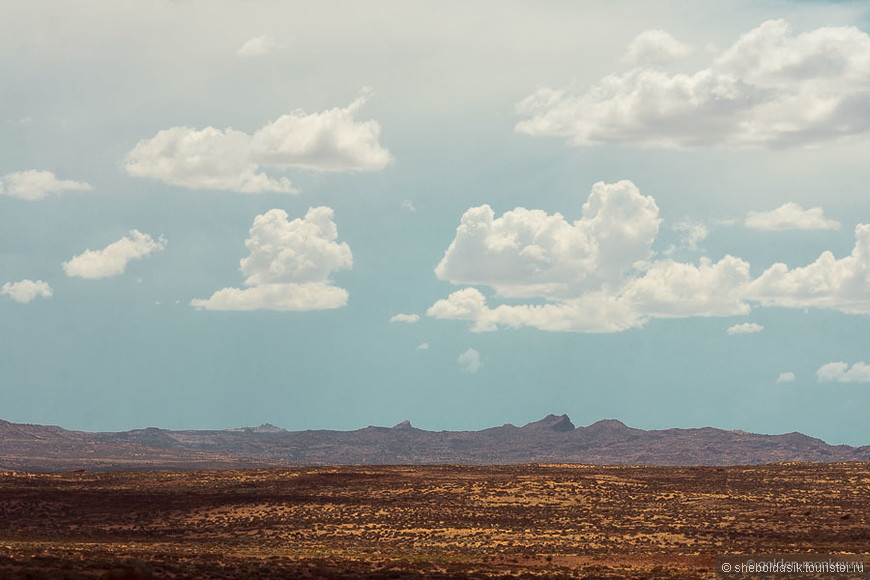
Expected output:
(559, 423)
(404, 425)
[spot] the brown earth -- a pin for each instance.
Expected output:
(526, 521)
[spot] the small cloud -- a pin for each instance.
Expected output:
(840, 372)
(409, 205)
(655, 47)
(34, 185)
(423, 346)
(693, 234)
(790, 216)
(785, 378)
(112, 260)
(289, 266)
(745, 328)
(470, 361)
(25, 291)
(259, 46)
(406, 318)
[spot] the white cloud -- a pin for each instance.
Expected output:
(693, 234)
(202, 159)
(34, 185)
(284, 297)
(594, 274)
(655, 47)
(408, 205)
(112, 260)
(842, 284)
(329, 141)
(470, 361)
(423, 346)
(25, 291)
(232, 160)
(791, 216)
(745, 328)
(771, 87)
(406, 318)
(528, 253)
(289, 265)
(840, 372)
(259, 46)
(785, 378)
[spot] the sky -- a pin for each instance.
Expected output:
(328, 215)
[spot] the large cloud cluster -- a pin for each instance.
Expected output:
(289, 265)
(594, 274)
(227, 159)
(599, 274)
(771, 87)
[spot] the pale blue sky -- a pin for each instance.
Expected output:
(400, 118)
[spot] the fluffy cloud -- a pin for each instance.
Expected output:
(842, 284)
(406, 318)
(470, 361)
(227, 159)
(655, 47)
(785, 378)
(33, 185)
(745, 328)
(594, 273)
(841, 372)
(289, 265)
(206, 159)
(527, 253)
(259, 46)
(791, 216)
(25, 291)
(772, 87)
(112, 260)
(423, 346)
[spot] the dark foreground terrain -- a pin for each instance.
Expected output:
(541, 521)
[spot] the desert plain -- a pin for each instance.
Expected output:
(525, 521)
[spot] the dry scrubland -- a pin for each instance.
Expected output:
(542, 521)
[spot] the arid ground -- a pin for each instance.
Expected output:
(542, 521)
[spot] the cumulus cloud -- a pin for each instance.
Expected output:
(842, 284)
(594, 274)
(470, 361)
(655, 47)
(25, 291)
(227, 159)
(772, 87)
(785, 378)
(840, 372)
(791, 216)
(259, 46)
(406, 318)
(289, 265)
(423, 346)
(34, 185)
(745, 328)
(528, 253)
(112, 260)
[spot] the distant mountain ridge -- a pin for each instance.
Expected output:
(553, 439)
